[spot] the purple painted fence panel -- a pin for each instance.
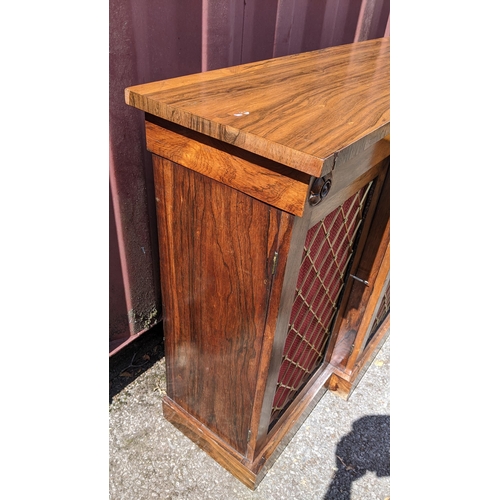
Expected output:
(258, 30)
(148, 41)
(373, 19)
(304, 25)
(222, 32)
(154, 40)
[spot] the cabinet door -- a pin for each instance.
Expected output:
(326, 257)
(363, 319)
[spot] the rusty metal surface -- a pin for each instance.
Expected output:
(156, 40)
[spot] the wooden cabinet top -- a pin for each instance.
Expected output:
(304, 111)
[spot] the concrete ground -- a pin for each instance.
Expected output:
(341, 451)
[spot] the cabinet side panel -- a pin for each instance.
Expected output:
(216, 248)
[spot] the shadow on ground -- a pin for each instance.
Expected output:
(128, 363)
(366, 448)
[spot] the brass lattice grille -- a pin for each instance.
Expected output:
(327, 252)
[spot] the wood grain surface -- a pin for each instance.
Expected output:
(301, 110)
(216, 261)
(263, 179)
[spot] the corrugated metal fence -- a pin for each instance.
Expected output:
(158, 39)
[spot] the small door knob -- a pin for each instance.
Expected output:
(359, 279)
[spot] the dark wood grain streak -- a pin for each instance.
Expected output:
(299, 110)
(218, 246)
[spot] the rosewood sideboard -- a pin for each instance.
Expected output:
(272, 197)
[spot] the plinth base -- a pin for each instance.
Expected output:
(343, 384)
(250, 472)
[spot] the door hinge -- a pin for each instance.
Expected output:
(249, 435)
